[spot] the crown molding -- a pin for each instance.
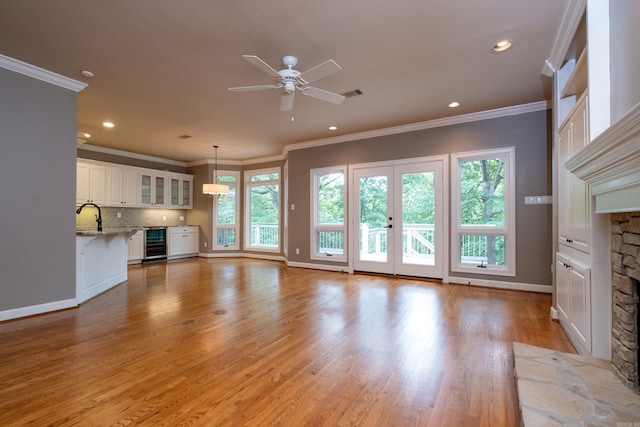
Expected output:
(447, 121)
(40, 74)
(130, 155)
(568, 25)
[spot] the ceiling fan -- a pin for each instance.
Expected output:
(290, 79)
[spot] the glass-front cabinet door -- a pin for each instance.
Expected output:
(180, 193)
(152, 190)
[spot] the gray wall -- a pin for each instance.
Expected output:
(37, 188)
(625, 60)
(529, 133)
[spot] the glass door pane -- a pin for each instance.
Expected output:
(418, 218)
(375, 221)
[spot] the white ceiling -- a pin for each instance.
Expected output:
(162, 67)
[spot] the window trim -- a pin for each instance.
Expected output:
(247, 203)
(315, 227)
(509, 228)
(236, 225)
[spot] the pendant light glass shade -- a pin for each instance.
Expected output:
(215, 189)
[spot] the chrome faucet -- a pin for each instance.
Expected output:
(98, 217)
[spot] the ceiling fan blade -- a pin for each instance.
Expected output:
(249, 88)
(320, 71)
(324, 95)
(262, 65)
(286, 103)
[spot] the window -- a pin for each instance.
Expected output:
(483, 239)
(263, 210)
(328, 203)
(226, 213)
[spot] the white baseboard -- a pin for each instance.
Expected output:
(243, 255)
(32, 310)
(547, 289)
(341, 268)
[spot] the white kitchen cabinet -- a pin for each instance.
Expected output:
(90, 183)
(122, 186)
(183, 241)
(573, 301)
(573, 203)
(136, 247)
(153, 189)
(180, 191)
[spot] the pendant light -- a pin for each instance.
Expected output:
(215, 189)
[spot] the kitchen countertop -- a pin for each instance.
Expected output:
(107, 231)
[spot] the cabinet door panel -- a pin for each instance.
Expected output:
(580, 304)
(562, 287)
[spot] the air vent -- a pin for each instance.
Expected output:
(352, 93)
(184, 136)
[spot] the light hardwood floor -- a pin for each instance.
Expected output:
(231, 342)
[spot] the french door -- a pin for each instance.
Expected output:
(398, 213)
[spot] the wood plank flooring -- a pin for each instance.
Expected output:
(234, 342)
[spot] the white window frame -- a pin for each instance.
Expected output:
(285, 211)
(236, 225)
(509, 228)
(316, 227)
(247, 203)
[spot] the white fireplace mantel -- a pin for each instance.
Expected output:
(610, 165)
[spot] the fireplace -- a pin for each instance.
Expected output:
(625, 264)
(610, 165)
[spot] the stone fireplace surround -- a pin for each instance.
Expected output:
(625, 265)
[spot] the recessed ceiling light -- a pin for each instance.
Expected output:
(454, 104)
(86, 73)
(333, 127)
(501, 46)
(108, 124)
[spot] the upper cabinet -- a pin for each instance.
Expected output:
(122, 186)
(90, 183)
(180, 191)
(153, 189)
(111, 184)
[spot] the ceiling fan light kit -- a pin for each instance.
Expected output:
(290, 79)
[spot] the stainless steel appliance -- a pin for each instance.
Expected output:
(155, 244)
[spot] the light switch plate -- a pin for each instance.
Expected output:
(537, 200)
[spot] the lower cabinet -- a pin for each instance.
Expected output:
(573, 301)
(136, 247)
(182, 241)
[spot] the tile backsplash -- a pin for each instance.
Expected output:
(130, 217)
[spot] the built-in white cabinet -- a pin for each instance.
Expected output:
(136, 247)
(180, 191)
(182, 241)
(573, 203)
(573, 301)
(153, 189)
(122, 186)
(111, 184)
(90, 183)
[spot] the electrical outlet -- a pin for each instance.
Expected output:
(297, 251)
(181, 217)
(205, 244)
(164, 217)
(293, 207)
(119, 215)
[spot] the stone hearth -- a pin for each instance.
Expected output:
(560, 389)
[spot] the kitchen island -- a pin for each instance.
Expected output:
(101, 260)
